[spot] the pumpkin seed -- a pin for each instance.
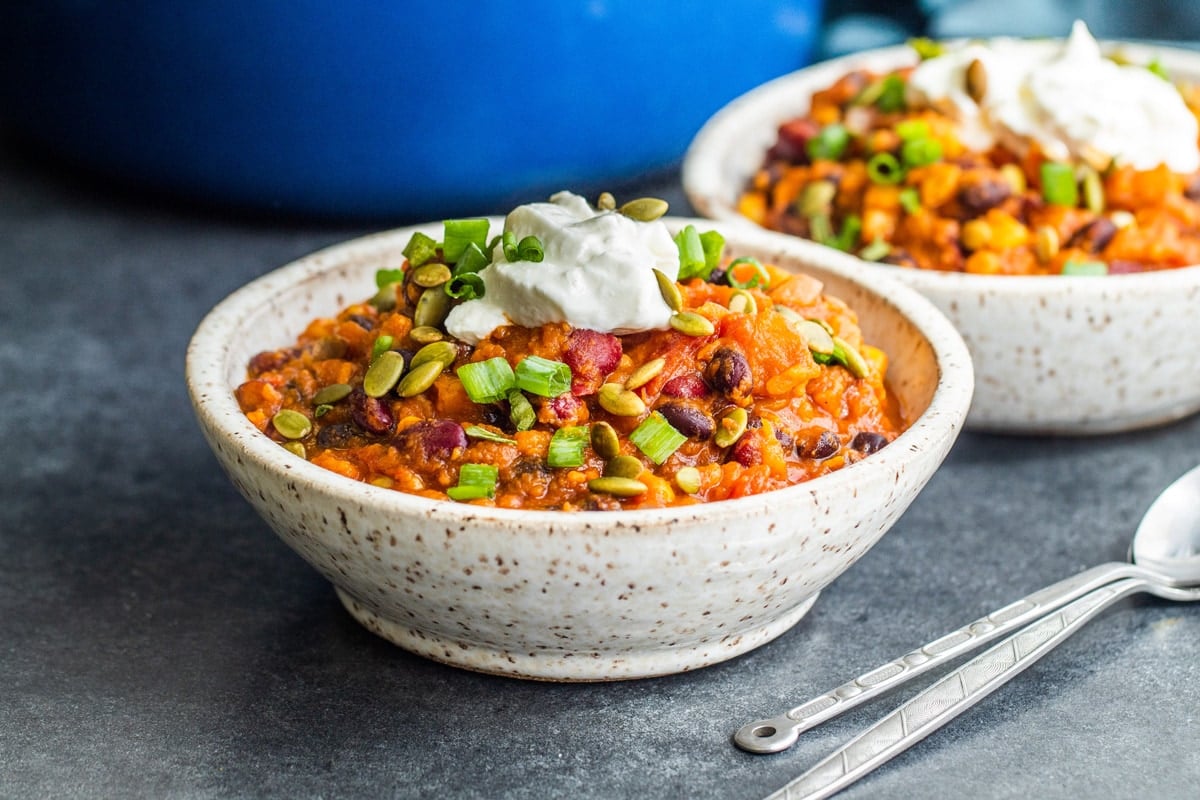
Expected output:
(443, 352)
(851, 358)
(383, 373)
(742, 302)
(383, 482)
(296, 449)
(606, 202)
(432, 308)
(322, 410)
(730, 427)
(424, 334)
(385, 298)
(816, 198)
(291, 424)
(616, 399)
(331, 394)
(669, 290)
(431, 275)
(621, 487)
(420, 378)
(819, 340)
(605, 441)
(1093, 191)
(645, 209)
(623, 467)
(688, 479)
(645, 373)
(691, 324)
(1045, 243)
(977, 82)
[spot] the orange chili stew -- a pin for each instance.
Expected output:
(865, 173)
(755, 389)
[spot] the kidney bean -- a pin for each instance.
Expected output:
(1120, 266)
(339, 435)
(270, 360)
(867, 442)
(495, 416)
(826, 446)
(366, 323)
(746, 451)
(566, 409)
(371, 414)
(687, 386)
(687, 419)
(1094, 236)
(983, 194)
(591, 355)
(786, 440)
(792, 143)
(729, 373)
(433, 436)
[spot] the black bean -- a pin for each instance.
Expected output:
(1192, 190)
(339, 435)
(687, 419)
(366, 323)
(987, 193)
(372, 414)
(867, 442)
(497, 417)
(826, 446)
(786, 441)
(1094, 236)
(729, 373)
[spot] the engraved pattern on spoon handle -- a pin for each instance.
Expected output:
(779, 733)
(950, 696)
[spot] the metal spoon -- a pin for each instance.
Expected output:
(1166, 549)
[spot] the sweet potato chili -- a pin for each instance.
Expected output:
(761, 381)
(865, 172)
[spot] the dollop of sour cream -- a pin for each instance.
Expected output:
(596, 273)
(1069, 99)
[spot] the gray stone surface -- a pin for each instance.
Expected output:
(156, 640)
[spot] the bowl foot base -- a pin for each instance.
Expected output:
(568, 666)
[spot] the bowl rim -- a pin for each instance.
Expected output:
(218, 412)
(788, 95)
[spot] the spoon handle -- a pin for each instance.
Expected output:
(951, 695)
(778, 733)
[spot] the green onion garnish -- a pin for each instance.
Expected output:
(543, 377)
(477, 432)
(713, 244)
(472, 260)
(691, 252)
(1058, 184)
(1156, 67)
(1089, 268)
(830, 143)
(926, 48)
(487, 381)
(386, 277)
(566, 446)
(509, 242)
(821, 228)
(847, 237)
(910, 199)
(468, 286)
(884, 168)
(656, 438)
(461, 232)
(891, 94)
(912, 129)
(520, 411)
(530, 249)
(382, 345)
(875, 250)
(420, 248)
(760, 277)
(920, 151)
(475, 481)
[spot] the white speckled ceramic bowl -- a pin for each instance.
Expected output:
(1052, 354)
(573, 596)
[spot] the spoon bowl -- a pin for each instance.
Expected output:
(1168, 538)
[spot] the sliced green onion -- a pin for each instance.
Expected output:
(820, 228)
(520, 411)
(1058, 184)
(487, 381)
(875, 250)
(847, 237)
(477, 432)
(926, 48)
(1088, 268)
(884, 168)
(910, 199)
(1156, 67)
(420, 249)
(530, 249)
(920, 151)
(387, 277)
(656, 438)
(475, 481)
(543, 377)
(830, 143)
(566, 446)
(761, 278)
(461, 232)
(691, 252)
(713, 244)
(381, 346)
(468, 286)
(509, 242)
(912, 129)
(472, 260)
(891, 94)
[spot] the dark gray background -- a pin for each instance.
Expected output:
(157, 640)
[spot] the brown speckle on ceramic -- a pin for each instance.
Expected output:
(574, 596)
(1052, 354)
